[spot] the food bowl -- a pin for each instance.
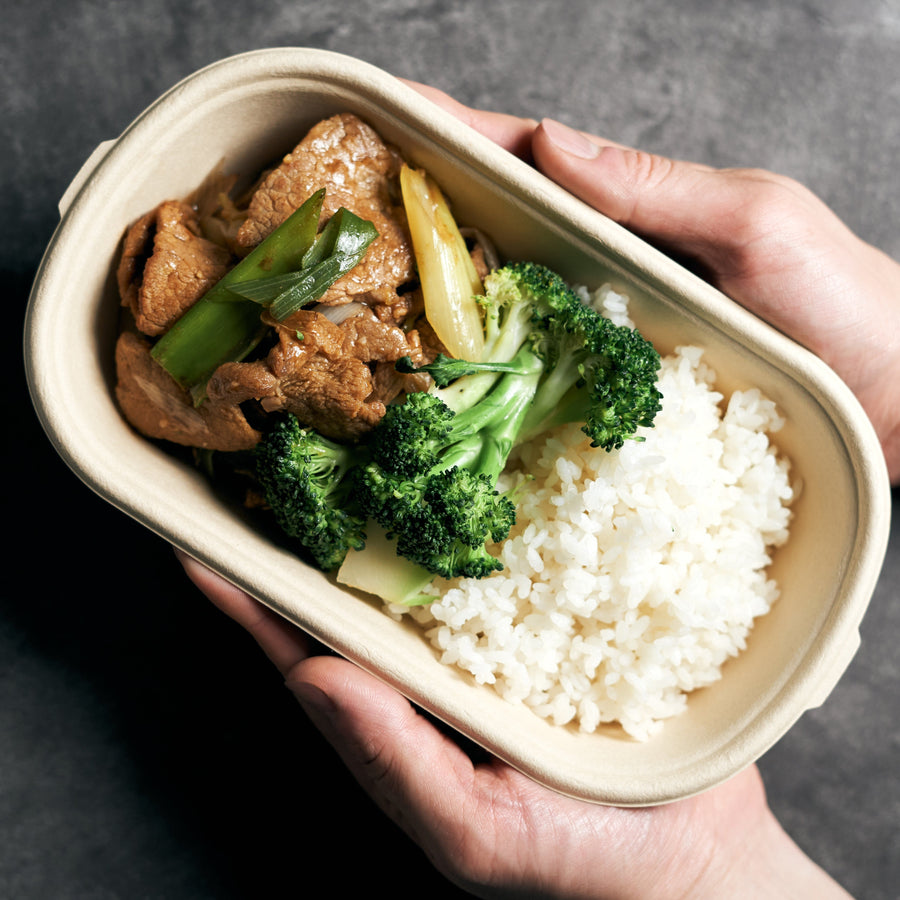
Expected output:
(248, 110)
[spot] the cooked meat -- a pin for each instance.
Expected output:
(373, 341)
(336, 376)
(368, 338)
(358, 171)
(219, 213)
(157, 406)
(482, 268)
(388, 383)
(321, 372)
(166, 266)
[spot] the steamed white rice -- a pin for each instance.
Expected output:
(630, 577)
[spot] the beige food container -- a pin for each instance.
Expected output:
(248, 110)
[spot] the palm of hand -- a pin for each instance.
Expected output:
(507, 836)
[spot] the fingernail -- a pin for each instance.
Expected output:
(569, 140)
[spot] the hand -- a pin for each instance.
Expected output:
(763, 239)
(495, 832)
(772, 246)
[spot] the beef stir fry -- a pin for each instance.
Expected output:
(331, 365)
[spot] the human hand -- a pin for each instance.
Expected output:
(762, 239)
(495, 832)
(772, 246)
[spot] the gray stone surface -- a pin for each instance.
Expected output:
(146, 750)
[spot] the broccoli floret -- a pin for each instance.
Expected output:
(431, 479)
(594, 371)
(305, 480)
(597, 372)
(430, 482)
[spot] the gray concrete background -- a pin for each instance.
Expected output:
(146, 749)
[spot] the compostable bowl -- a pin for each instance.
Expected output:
(250, 109)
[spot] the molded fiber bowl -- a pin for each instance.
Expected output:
(248, 110)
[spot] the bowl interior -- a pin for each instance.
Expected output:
(249, 110)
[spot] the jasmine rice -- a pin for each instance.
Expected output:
(630, 577)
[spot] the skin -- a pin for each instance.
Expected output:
(773, 246)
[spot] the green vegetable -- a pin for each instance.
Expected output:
(430, 477)
(224, 327)
(338, 249)
(304, 479)
(290, 269)
(593, 371)
(425, 478)
(431, 480)
(379, 571)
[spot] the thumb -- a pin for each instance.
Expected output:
(649, 194)
(687, 208)
(412, 771)
(756, 235)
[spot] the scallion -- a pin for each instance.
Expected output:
(222, 326)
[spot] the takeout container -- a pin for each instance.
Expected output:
(250, 109)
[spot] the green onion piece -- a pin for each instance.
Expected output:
(223, 326)
(323, 246)
(318, 279)
(343, 233)
(338, 249)
(450, 283)
(264, 290)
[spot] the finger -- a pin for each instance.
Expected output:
(283, 643)
(763, 238)
(649, 194)
(372, 727)
(510, 132)
(418, 776)
(743, 227)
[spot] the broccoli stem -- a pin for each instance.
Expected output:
(485, 432)
(557, 401)
(377, 569)
(445, 370)
(223, 327)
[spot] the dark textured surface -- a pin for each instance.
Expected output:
(146, 749)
